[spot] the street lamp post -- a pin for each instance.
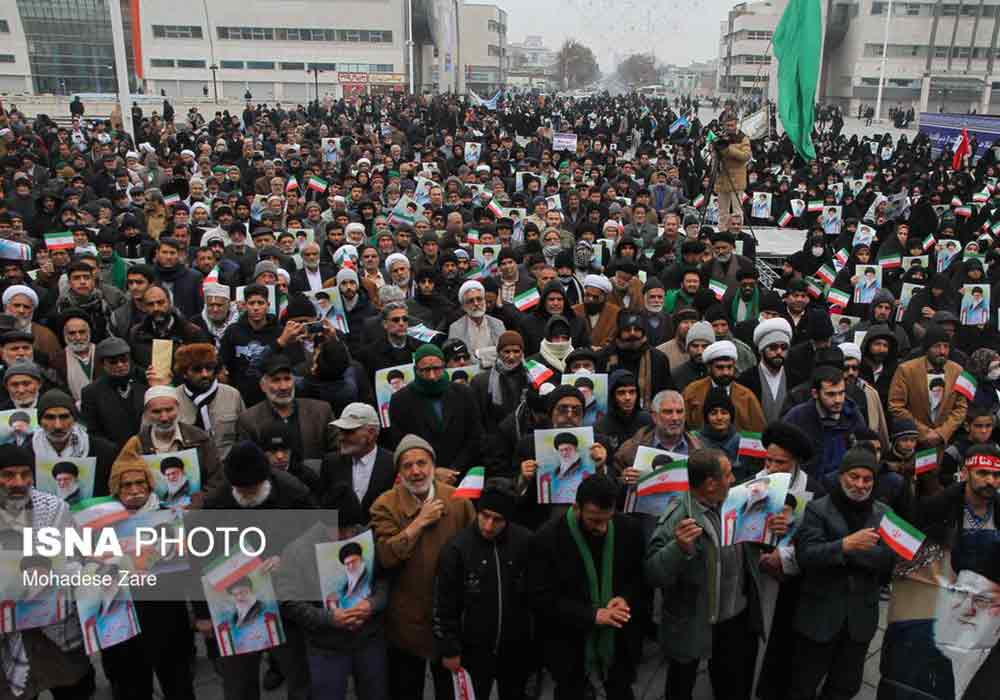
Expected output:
(881, 75)
(315, 71)
(215, 84)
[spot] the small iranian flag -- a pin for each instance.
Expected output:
(841, 257)
(172, 198)
(815, 206)
(826, 273)
(98, 512)
(964, 210)
(471, 486)
(929, 241)
(785, 219)
(292, 184)
(225, 572)
(496, 208)
(699, 201)
(59, 241)
(956, 201)
(751, 446)
(890, 261)
(718, 288)
(212, 277)
(902, 538)
(813, 288)
(838, 298)
(670, 478)
(537, 373)
(995, 227)
(981, 197)
(318, 184)
(925, 461)
(966, 385)
(472, 236)
(527, 299)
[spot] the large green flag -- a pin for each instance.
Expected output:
(797, 44)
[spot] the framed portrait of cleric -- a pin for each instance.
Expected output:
(749, 508)
(795, 508)
(107, 613)
(17, 425)
(842, 324)
(387, 382)
(947, 250)
(461, 375)
(594, 388)
(975, 308)
(27, 601)
(243, 606)
(563, 456)
(346, 570)
(869, 282)
(69, 478)
(178, 476)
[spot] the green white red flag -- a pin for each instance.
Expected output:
(63, 240)
(670, 478)
(925, 461)
(226, 572)
(537, 373)
(751, 445)
(527, 299)
(98, 512)
(471, 486)
(966, 385)
(900, 536)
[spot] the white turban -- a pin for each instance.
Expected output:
(354, 226)
(159, 392)
(347, 274)
(851, 351)
(598, 282)
(771, 331)
(15, 289)
(218, 291)
(468, 287)
(719, 350)
(396, 258)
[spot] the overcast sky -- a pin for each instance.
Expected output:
(677, 31)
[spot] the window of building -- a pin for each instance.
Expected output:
(176, 31)
(949, 10)
(293, 66)
(352, 67)
(260, 65)
(323, 66)
(381, 68)
(970, 10)
(941, 52)
(364, 36)
(190, 63)
(960, 52)
(912, 10)
(161, 63)
(231, 65)
(4, 27)
(878, 8)
(6, 58)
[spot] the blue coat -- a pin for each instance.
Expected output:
(829, 442)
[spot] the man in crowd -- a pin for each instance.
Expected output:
(111, 407)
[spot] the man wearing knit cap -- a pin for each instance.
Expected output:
(843, 562)
(720, 359)
(443, 413)
(498, 391)
(676, 347)
(699, 336)
(476, 328)
(412, 523)
(768, 379)
(486, 632)
(111, 406)
(53, 657)
(630, 350)
(864, 394)
(909, 396)
(59, 435)
(599, 315)
(21, 301)
(163, 432)
(22, 382)
(357, 306)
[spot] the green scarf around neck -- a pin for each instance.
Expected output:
(753, 306)
(600, 646)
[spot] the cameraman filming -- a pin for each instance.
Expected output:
(732, 151)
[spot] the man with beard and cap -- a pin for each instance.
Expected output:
(802, 354)
(428, 305)
(600, 316)
(879, 359)
(625, 416)
(358, 461)
(218, 314)
(658, 324)
(843, 562)
(487, 629)
(949, 322)
(745, 357)
(111, 406)
(627, 288)
(882, 311)
(498, 391)
(22, 382)
(584, 585)
(443, 413)
(863, 393)
(357, 306)
(163, 432)
(827, 357)
(162, 322)
(412, 523)
(475, 328)
(67, 478)
(797, 311)
(768, 379)
(202, 400)
(630, 350)
(676, 348)
(720, 359)
(910, 397)
(699, 336)
(59, 435)
(21, 302)
(726, 264)
(48, 657)
(742, 300)
(830, 419)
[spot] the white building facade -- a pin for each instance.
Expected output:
(746, 66)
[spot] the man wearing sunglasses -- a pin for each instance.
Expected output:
(393, 347)
(111, 405)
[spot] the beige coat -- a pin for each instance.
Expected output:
(223, 412)
(734, 162)
(749, 414)
(909, 398)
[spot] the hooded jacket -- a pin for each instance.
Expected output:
(618, 425)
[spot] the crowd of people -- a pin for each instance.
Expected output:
(367, 300)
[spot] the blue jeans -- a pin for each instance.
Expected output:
(368, 665)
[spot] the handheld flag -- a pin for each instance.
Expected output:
(966, 385)
(925, 461)
(63, 240)
(699, 201)
(318, 184)
(471, 486)
(226, 572)
(537, 373)
(928, 242)
(98, 512)
(826, 273)
(718, 288)
(838, 298)
(527, 299)
(890, 260)
(751, 446)
(840, 258)
(815, 206)
(962, 149)
(670, 478)
(785, 219)
(292, 184)
(900, 536)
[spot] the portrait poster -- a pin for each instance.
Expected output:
(936, 386)
(831, 220)
(69, 478)
(797, 207)
(346, 570)
(594, 388)
(156, 557)
(760, 208)
(387, 382)
(911, 261)
(329, 307)
(947, 249)
(243, 605)
(750, 507)
(178, 476)
(563, 456)
(486, 254)
(472, 151)
(865, 235)
(975, 304)
(795, 508)
(17, 425)
(424, 185)
(842, 324)
(662, 478)
(869, 282)
(28, 603)
(905, 296)
(405, 212)
(838, 191)
(554, 203)
(462, 375)
(106, 611)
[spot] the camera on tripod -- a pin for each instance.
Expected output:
(722, 143)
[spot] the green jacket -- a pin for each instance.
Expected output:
(691, 584)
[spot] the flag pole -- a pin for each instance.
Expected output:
(881, 75)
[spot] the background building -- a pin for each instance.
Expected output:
(483, 59)
(746, 67)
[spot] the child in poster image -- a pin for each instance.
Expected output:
(564, 460)
(869, 281)
(975, 305)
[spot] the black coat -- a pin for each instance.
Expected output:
(380, 354)
(106, 454)
(107, 415)
(338, 469)
(300, 283)
(457, 439)
(559, 594)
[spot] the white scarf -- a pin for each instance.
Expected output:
(75, 376)
(78, 445)
(556, 353)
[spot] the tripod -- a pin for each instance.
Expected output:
(715, 166)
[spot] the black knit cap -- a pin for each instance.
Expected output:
(247, 465)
